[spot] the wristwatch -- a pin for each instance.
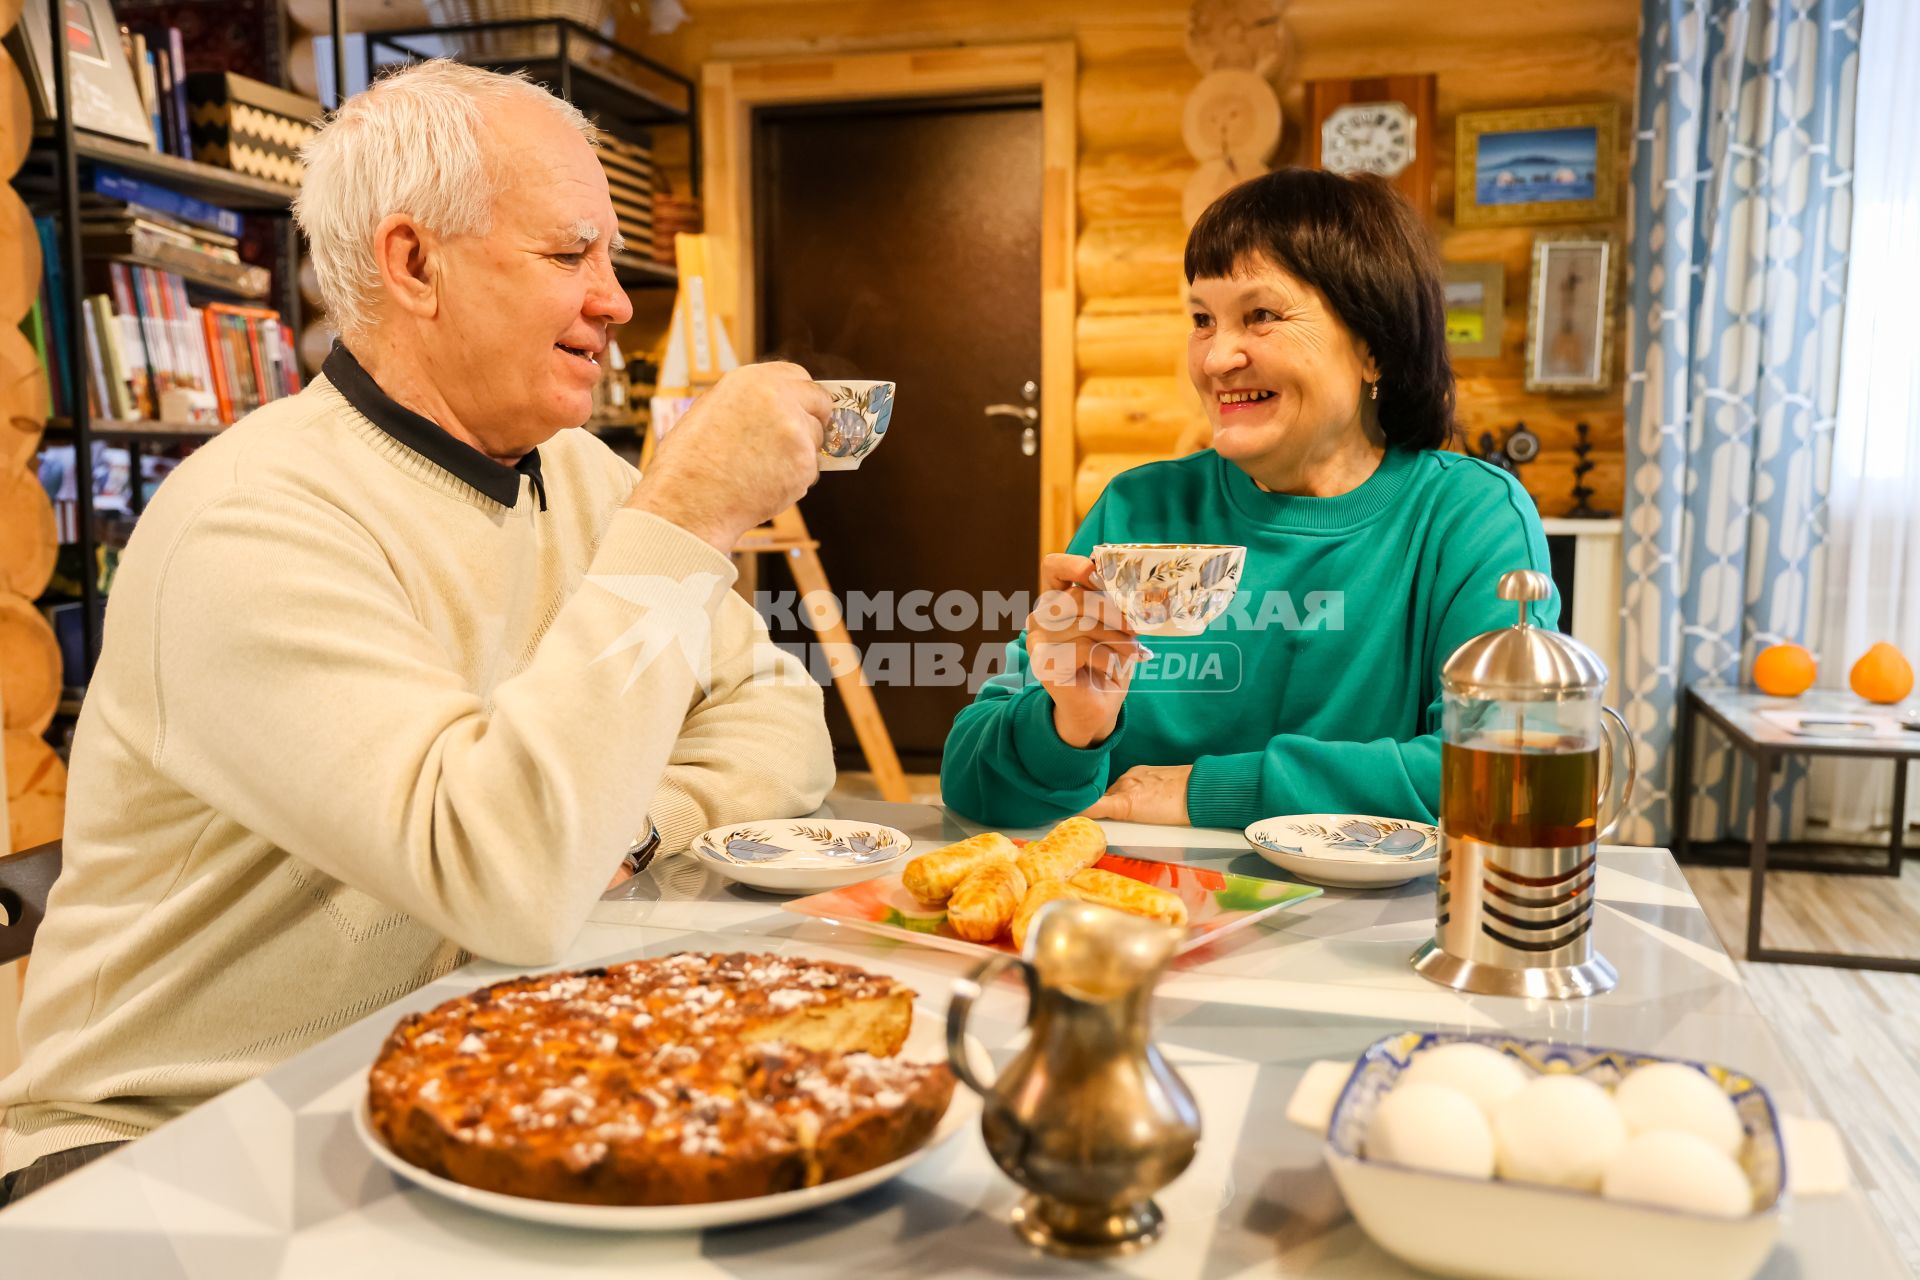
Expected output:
(641, 854)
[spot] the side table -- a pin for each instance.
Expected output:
(1736, 713)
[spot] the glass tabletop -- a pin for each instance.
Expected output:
(269, 1179)
(1820, 721)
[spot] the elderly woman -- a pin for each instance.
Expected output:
(400, 668)
(1319, 350)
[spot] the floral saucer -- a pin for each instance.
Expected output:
(802, 855)
(1348, 850)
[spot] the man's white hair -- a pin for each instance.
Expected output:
(411, 143)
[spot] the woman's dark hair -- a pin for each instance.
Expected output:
(1360, 243)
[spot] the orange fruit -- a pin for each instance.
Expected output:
(1882, 674)
(1784, 670)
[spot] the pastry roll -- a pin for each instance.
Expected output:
(1039, 894)
(982, 907)
(1074, 845)
(932, 877)
(1131, 896)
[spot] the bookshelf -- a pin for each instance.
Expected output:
(627, 92)
(620, 87)
(237, 191)
(639, 273)
(624, 91)
(142, 428)
(52, 178)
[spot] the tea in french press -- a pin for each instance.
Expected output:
(1527, 753)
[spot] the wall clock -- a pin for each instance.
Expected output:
(1369, 137)
(1376, 124)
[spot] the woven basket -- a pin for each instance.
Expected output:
(531, 42)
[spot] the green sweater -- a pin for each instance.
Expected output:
(1319, 690)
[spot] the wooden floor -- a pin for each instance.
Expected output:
(1808, 911)
(1854, 1034)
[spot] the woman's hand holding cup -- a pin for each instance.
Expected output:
(1081, 649)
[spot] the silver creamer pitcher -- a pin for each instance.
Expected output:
(1089, 1118)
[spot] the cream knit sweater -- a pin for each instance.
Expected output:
(353, 720)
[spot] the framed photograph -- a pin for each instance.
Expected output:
(1570, 314)
(99, 78)
(1476, 308)
(1543, 164)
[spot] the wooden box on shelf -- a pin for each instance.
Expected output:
(249, 127)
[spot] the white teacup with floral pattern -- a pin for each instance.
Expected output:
(861, 412)
(1169, 588)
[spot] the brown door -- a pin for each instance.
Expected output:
(902, 242)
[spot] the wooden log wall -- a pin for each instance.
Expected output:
(1553, 55)
(33, 795)
(30, 674)
(1133, 403)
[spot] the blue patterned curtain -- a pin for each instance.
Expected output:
(1741, 162)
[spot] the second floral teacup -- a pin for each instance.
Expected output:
(1169, 588)
(861, 412)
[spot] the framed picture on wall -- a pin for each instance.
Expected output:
(1476, 308)
(1541, 164)
(1570, 313)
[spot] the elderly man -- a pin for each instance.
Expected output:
(399, 669)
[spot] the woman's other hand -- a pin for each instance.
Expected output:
(1080, 648)
(1155, 793)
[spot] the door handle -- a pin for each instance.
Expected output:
(1025, 413)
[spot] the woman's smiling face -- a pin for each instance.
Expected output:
(1283, 378)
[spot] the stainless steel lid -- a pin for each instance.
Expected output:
(1524, 662)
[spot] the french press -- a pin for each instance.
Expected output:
(1527, 753)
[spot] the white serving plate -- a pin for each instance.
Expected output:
(926, 1042)
(1460, 1226)
(801, 855)
(1348, 850)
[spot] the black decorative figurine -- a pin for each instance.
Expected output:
(1582, 447)
(1520, 446)
(1491, 453)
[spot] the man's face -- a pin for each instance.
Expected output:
(525, 309)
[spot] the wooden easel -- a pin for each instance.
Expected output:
(698, 344)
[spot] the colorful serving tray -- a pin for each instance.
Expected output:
(1218, 902)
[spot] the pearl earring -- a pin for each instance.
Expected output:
(1376, 389)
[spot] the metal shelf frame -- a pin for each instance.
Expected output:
(68, 148)
(578, 68)
(581, 65)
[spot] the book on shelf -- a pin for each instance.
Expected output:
(152, 354)
(180, 250)
(158, 56)
(112, 473)
(103, 89)
(53, 308)
(105, 222)
(107, 187)
(127, 80)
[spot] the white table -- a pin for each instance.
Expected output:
(269, 1180)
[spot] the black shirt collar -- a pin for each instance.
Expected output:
(428, 438)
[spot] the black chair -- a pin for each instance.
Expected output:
(25, 879)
